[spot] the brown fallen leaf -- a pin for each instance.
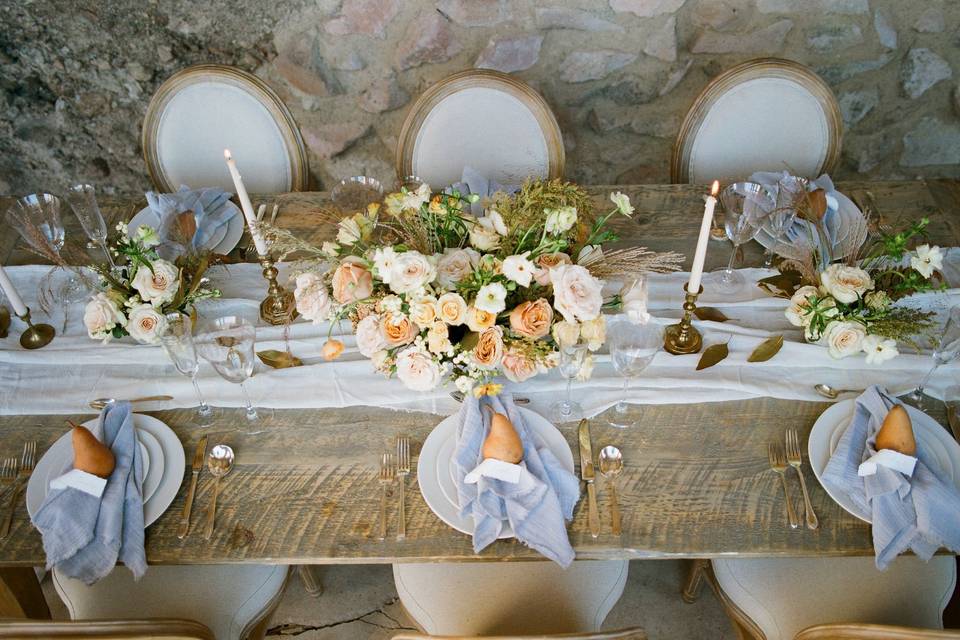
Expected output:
(818, 204)
(712, 355)
(766, 349)
(710, 313)
(279, 359)
(782, 284)
(186, 227)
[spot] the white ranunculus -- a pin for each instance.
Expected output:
(312, 298)
(576, 293)
(417, 369)
(844, 338)
(879, 349)
(369, 337)
(622, 201)
(560, 220)
(383, 261)
(519, 268)
(411, 271)
(491, 298)
(145, 324)
(159, 286)
(798, 303)
(844, 283)
(455, 265)
(348, 232)
(927, 260)
(101, 315)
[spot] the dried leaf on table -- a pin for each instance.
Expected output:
(766, 349)
(710, 313)
(279, 359)
(712, 355)
(4, 322)
(782, 284)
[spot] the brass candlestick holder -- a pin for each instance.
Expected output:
(279, 306)
(36, 335)
(683, 338)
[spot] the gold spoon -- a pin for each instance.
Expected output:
(100, 403)
(219, 462)
(611, 464)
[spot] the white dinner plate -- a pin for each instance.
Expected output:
(153, 469)
(846, 214)
(223, 240)
(169, 463)
(435, 471)
(938, 447)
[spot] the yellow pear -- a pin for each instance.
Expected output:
(502, 442)
(91, 455)
(896, 432)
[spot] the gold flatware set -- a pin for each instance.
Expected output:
(610, 462)
(16, 474)
(781, 457)
(394, 467)
(219, 463)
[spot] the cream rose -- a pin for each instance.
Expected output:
(566, 334)
(517, 367)
(844, 338)
(594, 332)
(531, 319)
(417, 369)
(796, 312)
(398, 332)
(370, 339)
(483, 239)
(576, 293)
(546, 262)
(489, 349)
(145, 324)
(423, 311)
(452, 308)
(159, 286)
(411, 271)
(313, 300)
(101, 315)
(454, 265)
(438, 339)
(478, 319)
(351, 282)
(844, 283)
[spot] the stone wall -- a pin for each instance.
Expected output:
(619, 74)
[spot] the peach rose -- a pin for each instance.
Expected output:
(423, 311)
(398, 333)
(331, 349)
(532, 319)
(452, 309)
(489, 349)
(546, 262)
(517, 367)
(478, 319)
(351, 282)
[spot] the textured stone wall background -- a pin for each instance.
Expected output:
(619, 74)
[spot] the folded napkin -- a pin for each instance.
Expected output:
(802, 231)
(85, 534)
(473, 182)
(921, 512)
(209, 206)
(537, 506)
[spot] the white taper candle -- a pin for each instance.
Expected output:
(245, 204)
(18, 307)
(696, 271)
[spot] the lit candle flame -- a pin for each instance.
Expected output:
(226, 154)
(715, 189)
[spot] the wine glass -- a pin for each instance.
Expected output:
(633, 346)
(229, 347)
(571, 362)
(946, 351)
(356, 192)
(83, 201)
(745, 206)
(177, 339)
(778, 223)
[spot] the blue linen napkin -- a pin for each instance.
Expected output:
(537, 514)
(473, 182)
(921, 512)
(84, 536)
(209, 206)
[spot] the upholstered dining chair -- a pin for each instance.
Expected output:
(234, 601)
(776, 598)
(874, 632)
(622, 634)
(766, 114)
(202, 110)
(157, 629)
(490, 598)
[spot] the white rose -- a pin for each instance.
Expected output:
(798, 303)
(491, 298)
(438, 339)
(145, 325)
(560, 220)
(411, 271)
(879, 349)
(594, 332)
(622, 202)
(159, 286)
(452, 308)
(927, 260)
(519, 268)
(417, 369)
(100, 316)
(844, 338)
(633, 300)
(312, 298)
(455, 265)
(844, 283)
(383, 260)
(483, 239)
(576, 293)
(369, 337)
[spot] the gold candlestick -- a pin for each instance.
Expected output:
(279, 306)
(683, 338)
(36, 335)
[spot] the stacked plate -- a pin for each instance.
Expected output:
(163, 465)
(223, 241)
(436, 471)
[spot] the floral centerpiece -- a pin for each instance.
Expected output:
(137, 295)
(435, 293)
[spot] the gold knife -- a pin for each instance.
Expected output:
(954, 422)
(588, 474)
(198, 457)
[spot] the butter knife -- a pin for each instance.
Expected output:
(198, 457)
(589, 475)
(954, 421)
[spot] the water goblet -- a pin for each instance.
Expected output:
(745, 207)
(356, 192)
(42, 212)
(633, 346)
(946, 351)
(177, 340)
(83, 201)
(571, 362)
(229, 346)
(73, 290)
(778, 223)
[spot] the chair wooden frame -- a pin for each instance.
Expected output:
(483, 78)
(292, 140)
(622, 634)
(750, 70)
(156, 629)
(874, 632)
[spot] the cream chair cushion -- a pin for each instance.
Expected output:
(509, 598)
(784, 596)
(226, 598)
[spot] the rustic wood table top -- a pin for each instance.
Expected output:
(696, 482)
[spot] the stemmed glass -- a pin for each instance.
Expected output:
(745, 206)
(83, 201)
(229, 347)
(946, 351)
(778, 223)
(177, 339)
(571, 362)
(356, 192)
(633, 345)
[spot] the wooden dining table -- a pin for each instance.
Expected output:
(696, 481)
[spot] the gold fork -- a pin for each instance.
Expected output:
(778, 463)
(388, 472)
(26, 468)
(795, 459)
(403, 469)
(8, 472)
